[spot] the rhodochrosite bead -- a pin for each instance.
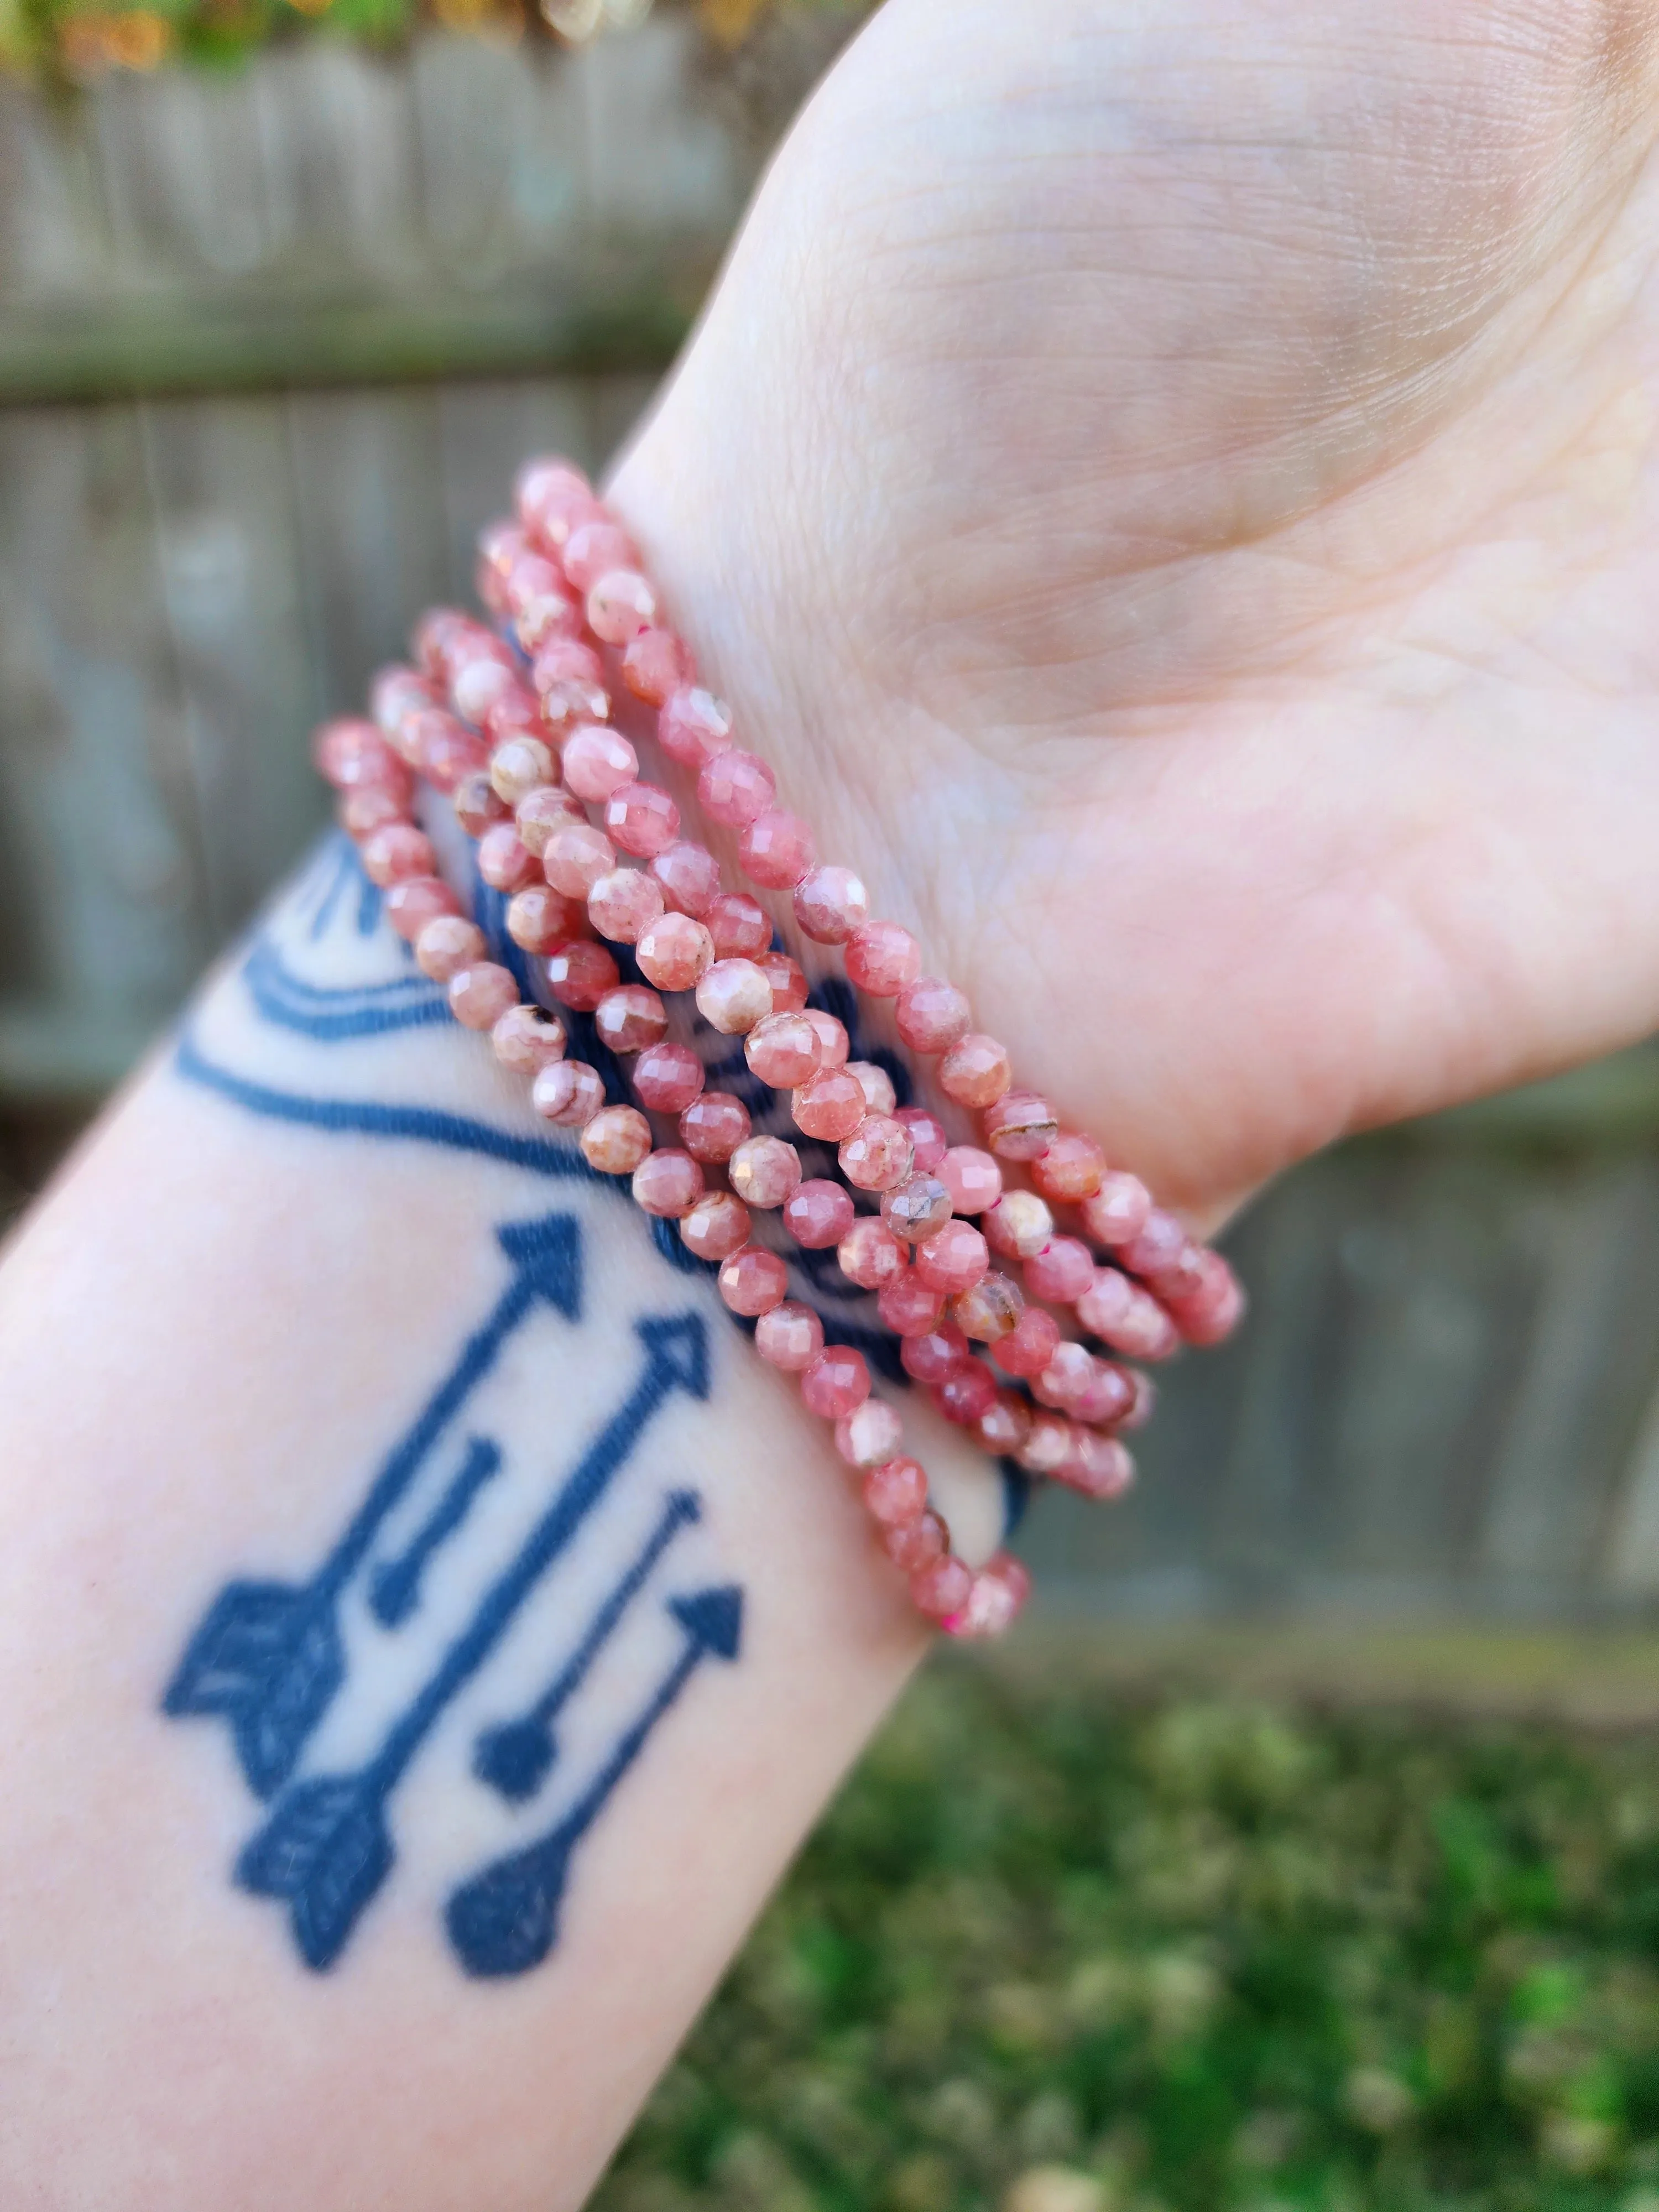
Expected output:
(989, 1310)
(775, 849)
(528, 1039)
(910, 1306)
(764, 1172)
(916, 1208)
(655, 666)
(418, 900)
(580, 974)
(397, 851)
(569, 1094)
(714, 1125)
(954, 1258)
(598, 761)
(877, 1085)
(1117, 1212)
(870, 1255)
(896, 1491)
(521, 765)
(783, 1050)
(576, 856)
(830, 904)
(828, 1106)
(733, 995)
(503, 861)
(642, 819)
(596, 546)
(689, 875)
(1020, 1125)
(668, 1183)
(788, 979)
(623, 905)
(942, 1588)
(693, 727)
(882, 957)
(541, 919)
(972, 1177)
(446, 944)
(994, 1603)
(480, 995)
(752, 1281)
(931, 1357)
(667, 1078)
(1070, 1168)
(836, 1383)
(975, 1071)
(738, 926)
(926, 1135)
(870, 1436)
(1029, 1345)
(913, 1544)
(790, 1337)
(616, 1140)
(1062, 1271)
(833, 1043)
(620, 606)
(878, 1155)
(630, 1018)
(717, 1225)
(1127, 1317)
(1212, 1309)
(733, 788)
(1018, 1225)
(818, 1214)
(538, 817)
(932, 1014)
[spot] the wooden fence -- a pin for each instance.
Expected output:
(268, 350)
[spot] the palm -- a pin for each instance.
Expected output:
(1177, 503)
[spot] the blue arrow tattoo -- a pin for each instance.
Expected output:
(326, 1848)
(506, 1919)
(267, 1656)
(516, 1758)
(394, 1587)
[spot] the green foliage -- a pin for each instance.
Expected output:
(1070, 1954)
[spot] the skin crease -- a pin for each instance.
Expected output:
(1173, 491)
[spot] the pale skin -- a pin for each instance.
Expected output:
(1174, 495)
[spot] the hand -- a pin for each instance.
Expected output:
(1172, 491)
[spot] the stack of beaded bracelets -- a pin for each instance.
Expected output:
(567, 578)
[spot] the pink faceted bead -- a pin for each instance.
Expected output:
(449, 750)
(410, 904)
(972, 1177)
(598, 761)
(932, 1357)
(394, 696)
(352, 754)
(1143, 1400)
(953, 1258)
(674, 952)
(1018, 1225)
(666, 1077)
(941, 1588)
(667, 1184)
(836, 1383)
(734, 787)
(882, 957)
(753, 1281)
(693, 727)
(580, 974)
(870, 1436)
(908, 1306)
(1117, 1212)
(927, 1135)
(642, 819)
(504, 862)
(396, 852)
(448, 944)
(818, 1214)
(878, 1154)
(1029, 1345)
(790, 1337)
(547, 494)
(764, 1172)
(1004, 1426)
(995, 1602)
(782, 1050)
(616, 1140)
(623, 905)
(1068, 1378)
(990, 1310)
(656, 664)
(476, 803)
(1069, 1168)
(478, 684)
(776, 849)
(1125, 1316)
(1212, 1308)
(568, 660)
(975, 1071)
(1020, 1125)
(830, 1106)
(575, 858)
(732, 996)
(713, 1127)
(831, 903)
(877, 1085)
(833, 1045)
(620, 606)
(480, 995)
(788, 979)
(1106, 1397)
(541, 815)
(630, 1018)
(517, 715)
(571, 704)
(542, 609)
(528, 1039)
(1047, 1442)
(441, 633)
(570, 1093)
(361, 813)
(1098, 1466)
(541, 919)
(595, 547)
(738, 925)
(520, 765)
(1062, 1271)
(966, 1394)
(717, 1227)
(896, 1493)
(689, 875)
(919, 1205)
(870, 1255)
(1169, 1259)
(916, 1544)
(932, 1014)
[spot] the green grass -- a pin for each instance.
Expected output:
(1191, 1955)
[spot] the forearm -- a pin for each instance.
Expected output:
(312, 1473)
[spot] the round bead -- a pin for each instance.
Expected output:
(630, 1018)
(790, 1337)
(738, 925)
(908, 1306)
(1018, 1225)
(833, 1042)
(576, 857)
(1116, 1213)
(782, 1050)
(1127, 1317)
(623, 904)
(764, 1171)
(418, 900)
(570, 703)
(915, 1544)
(396, 852)
(921, 1205)
(941, 1588)
(616, 1140)
(995, 1602)
(449, 750)
(775, 849)
(539, 918)
(717, 1225)
(395, 694)
(831, 903)
(966, 1394)
(830, 1106)
(953, 1258)
(519, 767)
(598, 761)
(1029, 1345)
(642, 819)
(882, 957)
(361, 813)
(788, 979)
(836, 1383)
(448, 944)
(975, 1071)
(1062, 1271)
(734, 787)
(594, 547)
(870, 1255)
(1069, 1168)
(542, 609)
(503, 861)
(932, 1014)
(733, 995)
(694, 726)
(1108, 1396)
(1047, 1442)
(930, 1358)
(927, 1135)
(674, 952)
(518, 714)
(689, 875)
(620, 605)
(480, 995)
(570, 1093)
(1169, 1259)
(352, 754)
(972, 1177)
(1068, 1378)
(989, 1311)
(878, 1155)
(876, 1084)
(478, 684)
(870, 1436)
(475, 802)
(1098, 1466)
(543, 813)
(1004, 1426)
(667, 1184)
(818, 1214)
(528, 1039)
(1214, 1307)
(656, 663)
(713, 1127)
(550, 496)
(896, 1491)
(568, 660)
(580, 974)
(753, 1281)
(666, 1077)
(1020, 1125)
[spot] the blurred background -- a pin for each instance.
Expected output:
(287, 288)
